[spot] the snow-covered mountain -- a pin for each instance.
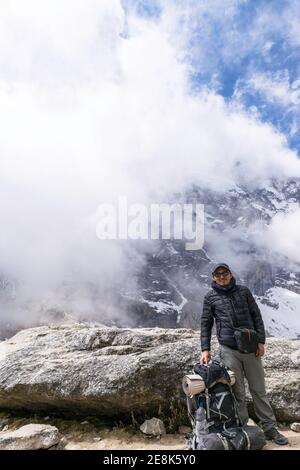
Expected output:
(169, 288)
(174, 281)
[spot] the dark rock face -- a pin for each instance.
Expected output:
(81, 369)
(260, 277)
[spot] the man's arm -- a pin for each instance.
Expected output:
(207, 321)
(257, 318)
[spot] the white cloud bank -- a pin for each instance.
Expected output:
(283, 234)
(95, 104)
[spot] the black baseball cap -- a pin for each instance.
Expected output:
(220, 265)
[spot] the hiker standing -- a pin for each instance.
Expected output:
(232, 306)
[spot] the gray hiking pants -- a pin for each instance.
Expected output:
(249, 366)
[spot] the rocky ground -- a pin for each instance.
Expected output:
(97, 435)
(121, 439)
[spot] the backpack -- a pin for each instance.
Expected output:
(241, 438)
(220, 428)
(214, 394)
(221, 411)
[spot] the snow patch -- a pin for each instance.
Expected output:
(284, 321)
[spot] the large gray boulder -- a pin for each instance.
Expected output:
(90, 369)
(282, 372)
(85, 369)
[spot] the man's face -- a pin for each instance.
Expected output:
(222, 276)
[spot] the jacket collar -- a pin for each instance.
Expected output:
(224, 290)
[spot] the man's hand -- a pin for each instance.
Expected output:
(260, 350)
(205, 357)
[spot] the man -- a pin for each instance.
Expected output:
(218, 305)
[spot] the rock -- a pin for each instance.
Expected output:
(30, 437)
(82, 369)
(295, 427)
(153, 427)
(282, 375)
(96, 439)
(86, 369)
(184, 429)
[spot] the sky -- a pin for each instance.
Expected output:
(102, 98)
(246, 51)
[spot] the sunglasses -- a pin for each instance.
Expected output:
(223, 274)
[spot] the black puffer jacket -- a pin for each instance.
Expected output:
(221, 306)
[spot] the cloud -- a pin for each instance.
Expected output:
(58, 42)
(275, 87)
(275, 95)
(283, 234)
(97, 102)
